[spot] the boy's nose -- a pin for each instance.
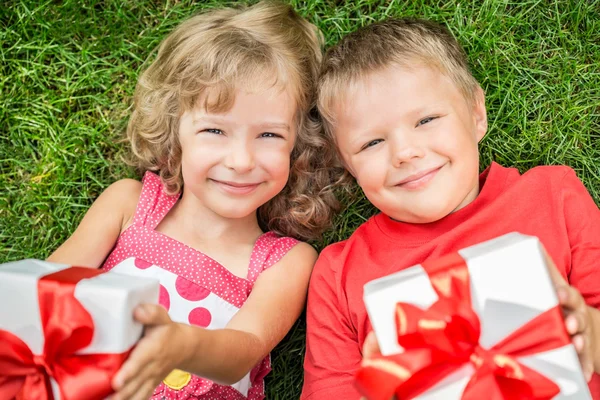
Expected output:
(240, 157)
(405, 152)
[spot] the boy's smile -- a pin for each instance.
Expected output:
(409, 137)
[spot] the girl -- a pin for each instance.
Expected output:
(222, 118)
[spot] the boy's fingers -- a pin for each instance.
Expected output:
(569, 297)
(587, 365)
(579, 343)
(576, 322)
(370, 346)
(555, 275)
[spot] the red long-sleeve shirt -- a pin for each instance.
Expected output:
(548, 202)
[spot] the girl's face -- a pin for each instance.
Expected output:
(237, 160)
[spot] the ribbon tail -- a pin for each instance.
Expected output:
(406, 375)
(376, 382)
(88, 376)
(10, 387)
(19, 376)
(522, 383)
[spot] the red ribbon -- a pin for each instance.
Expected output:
(67, 328)
(443, 338)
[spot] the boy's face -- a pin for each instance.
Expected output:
(409, 137)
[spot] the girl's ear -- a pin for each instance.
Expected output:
(480, 114)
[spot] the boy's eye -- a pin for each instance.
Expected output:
(214, 130)
(426, 120)
(372, 143)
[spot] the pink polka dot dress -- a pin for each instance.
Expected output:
(194, 288)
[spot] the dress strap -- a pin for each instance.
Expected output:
(154, 202)
(268, 250)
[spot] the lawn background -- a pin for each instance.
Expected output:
(68, 70)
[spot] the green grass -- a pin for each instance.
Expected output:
(68, 71)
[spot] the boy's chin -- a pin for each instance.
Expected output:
(424, 217)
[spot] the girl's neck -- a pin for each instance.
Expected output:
(204, 224)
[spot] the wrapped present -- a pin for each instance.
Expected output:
(481, 324)
(65, 331)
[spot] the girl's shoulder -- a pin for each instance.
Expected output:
(122, 197)
(288, 250)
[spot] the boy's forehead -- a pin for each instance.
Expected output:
(395, 89)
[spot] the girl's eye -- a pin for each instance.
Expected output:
(270, 135)
(214, 131)
(426, 120)
(372, 143)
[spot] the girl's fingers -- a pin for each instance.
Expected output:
(145, 391)
(133, 386)
(151, 314)
(137, 361)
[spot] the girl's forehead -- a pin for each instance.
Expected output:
(221, 97)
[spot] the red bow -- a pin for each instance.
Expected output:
(67, 328)
(443, 338)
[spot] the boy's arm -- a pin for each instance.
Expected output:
(332, 349)
(101, 226)
(582, 218)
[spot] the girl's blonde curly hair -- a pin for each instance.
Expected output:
(214, 54)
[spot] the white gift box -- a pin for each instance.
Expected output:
(109, 298)
(510, 285)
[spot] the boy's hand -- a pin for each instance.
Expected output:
(580, 325)
(371, 348)
(579, 320)
(153, 358)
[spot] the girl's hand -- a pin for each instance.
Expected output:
(155, 356)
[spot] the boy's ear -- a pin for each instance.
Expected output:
(480, 114)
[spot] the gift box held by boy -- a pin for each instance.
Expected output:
(399, 102)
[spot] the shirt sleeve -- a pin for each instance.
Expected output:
(582, 219)
(332, 349)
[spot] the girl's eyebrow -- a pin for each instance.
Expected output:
(224, 120)
(208, 118)
(274, 125)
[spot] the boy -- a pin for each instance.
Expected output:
(398, 100)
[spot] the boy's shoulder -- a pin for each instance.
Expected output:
(540, 178)
(336, 253)
(549, 172)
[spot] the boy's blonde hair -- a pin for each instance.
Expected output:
(393, 42)
(214, 54)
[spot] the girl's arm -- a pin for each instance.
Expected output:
(267, 316)
(97, 233)
(222, 355)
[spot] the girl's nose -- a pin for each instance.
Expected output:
(240, 157)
